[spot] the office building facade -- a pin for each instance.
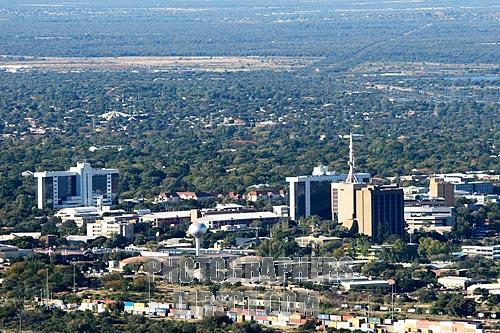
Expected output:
(312, 195)
(79, 186)
(344, 202)
(478, 187)
(429, 218)
(110, 229)
(488, 251)
(439, 188)
(380, 211)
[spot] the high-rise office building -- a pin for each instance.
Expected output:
(344, 202)
(79, 186)
(441, 189)
(380, 211)
(312, 195)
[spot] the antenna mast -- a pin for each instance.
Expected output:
(351, 177)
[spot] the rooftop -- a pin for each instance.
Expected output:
(238, 216)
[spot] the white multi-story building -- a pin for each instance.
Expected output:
(217, 221)
(415, 192)
(108, 229)
(79, 186)
(429, 218)
(491, 252)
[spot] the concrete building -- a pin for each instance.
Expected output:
(217, 221)
(12, 252)
(491, 252)
(312, 195)
(454, 282)
(470, 182)
(282, 210)
(416, 192)
(81, 215)
(109, 229)
(171, 219)
(79, 186)
(428, 218)
(479, 187)
(321, 240)
(362, 282)
(380, 211)
(493, 288)
(14, 235)
(344, 202)
(483, 199)
(457, 177)
(439, 188)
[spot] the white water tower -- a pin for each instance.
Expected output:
(197, 230)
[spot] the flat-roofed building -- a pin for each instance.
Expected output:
(476, 187)
(312, 195)
(483, 199)
(344, 202)
(12, 252)
(493, 288)
(171, 219)
(454, 282)
(439, 188)
(216, 221)
(364, 283)
(415, 192)
(428, 218)
(380, 211)
(109, 229)
(282, 210)
(321, 240)
(79, 186)
(79, 215)
(488, 251)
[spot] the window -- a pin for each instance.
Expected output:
(99, 185)
(321, 199)
(114, 183)
(66, 187)
(48, 192)
(300, 199)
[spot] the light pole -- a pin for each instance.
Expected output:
(368, 306)
(74, 278)
(392, 301)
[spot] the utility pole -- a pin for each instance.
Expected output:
(392, 301)
(149, 295)
(74, 278)
(47, 281)
(368, 306)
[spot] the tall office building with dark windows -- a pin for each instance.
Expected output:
(380, 211)
(312, 195)
(79, 186)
